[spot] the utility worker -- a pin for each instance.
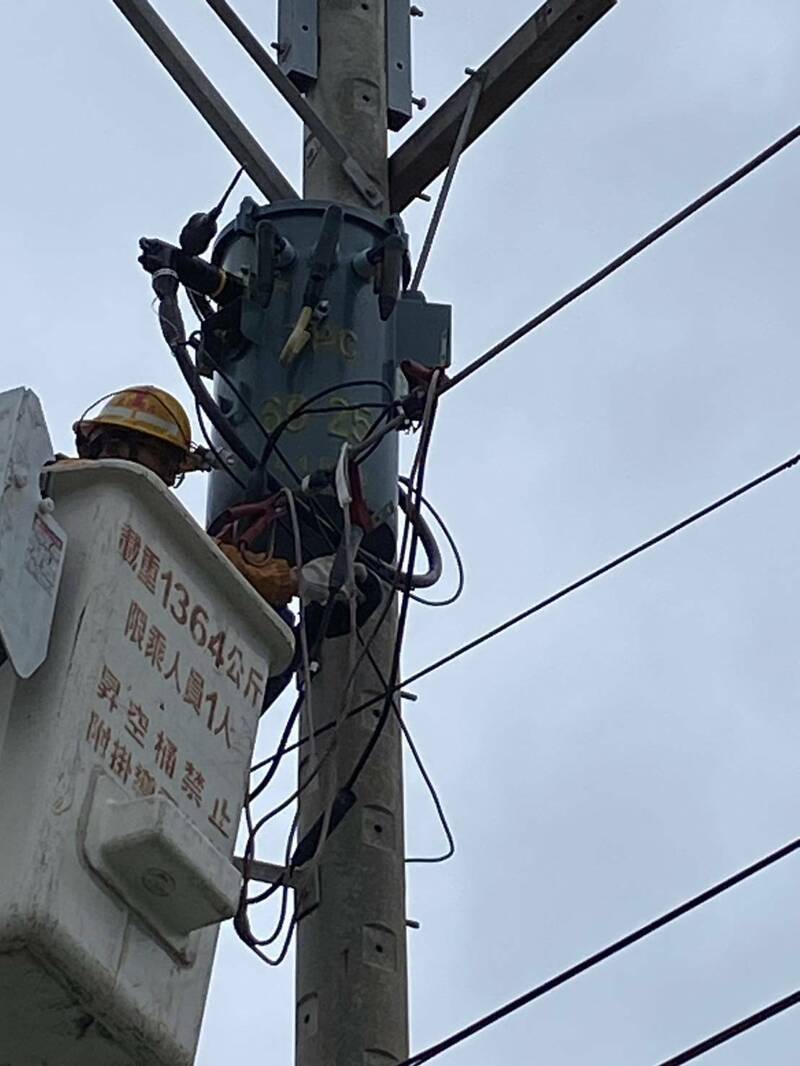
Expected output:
(145, 425)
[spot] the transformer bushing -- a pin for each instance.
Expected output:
(322, 309)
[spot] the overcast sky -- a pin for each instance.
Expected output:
(639, 740)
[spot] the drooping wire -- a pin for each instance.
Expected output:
(417, 478)
(410, 530)
(241, 921)
(449, 600)
(302, 409)
(566, 590)
(412, 747)
(601, 956)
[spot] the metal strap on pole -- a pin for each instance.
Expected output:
(324, 134)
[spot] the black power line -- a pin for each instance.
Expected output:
(606, 953)
(567, 589)
(625, 257)
(733, 1031)
(605, 569)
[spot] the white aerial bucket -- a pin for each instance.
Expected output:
(122, 778)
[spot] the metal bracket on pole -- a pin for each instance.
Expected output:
(266, 873)
(326, 137)
(166, 47)
(305, 883)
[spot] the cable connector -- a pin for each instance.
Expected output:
(201, 228)
(419, 378)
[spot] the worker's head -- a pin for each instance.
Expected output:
(143, 424)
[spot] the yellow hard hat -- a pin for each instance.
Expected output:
(144, 409)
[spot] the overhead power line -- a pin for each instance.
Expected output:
(565, 591)
(625, 257)
(606, 953)
(732, 1031)
(600, 571)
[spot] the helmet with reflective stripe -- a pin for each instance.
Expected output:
(144, 409)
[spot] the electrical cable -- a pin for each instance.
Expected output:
(605, 569)
(304, 653)
(165, 285)
(362, 458)
(323, 524)
(601, 956)
(210, 445)
(451, 844)
(410, 528)
(580, 583)
(241, 922)
(456, 556)
(735, 1030)
(311, 508)
(275, 434)
(417, 479)
(626, 256)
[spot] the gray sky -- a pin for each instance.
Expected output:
(640, 739)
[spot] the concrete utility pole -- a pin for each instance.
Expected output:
(337, 258)
(350, 97)
(351, 978)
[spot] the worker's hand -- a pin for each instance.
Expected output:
(314, 579)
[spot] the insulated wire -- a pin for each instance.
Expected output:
(451, 844)
(207, 438)
(600, 956)
(241, 922)
(306, 659)
(602, 570)
(625, 257)
(735, 1030)
(275, 435)
(417, 478)
(449, 600)
(575, 585)
(336, 723)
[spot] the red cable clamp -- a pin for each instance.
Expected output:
(419, 378)
(226, 526)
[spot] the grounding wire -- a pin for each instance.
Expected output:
(587, 579)
(601, 956)
(625, 257)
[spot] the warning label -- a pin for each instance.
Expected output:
(43, 555)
